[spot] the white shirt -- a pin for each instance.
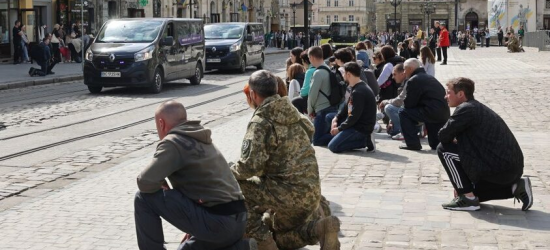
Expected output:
(293, 89)
(386, 73)
(429, 68)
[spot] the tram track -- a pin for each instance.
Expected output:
(107, 131)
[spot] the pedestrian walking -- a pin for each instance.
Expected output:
(25, 44)
(521, 34)
(16, 33)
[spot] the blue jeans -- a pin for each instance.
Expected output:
(24, 52)
(209, 231)
(393, 114)
(322, 128)
(347, 140)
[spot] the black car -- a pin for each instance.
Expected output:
(145, 52)
(234, 46)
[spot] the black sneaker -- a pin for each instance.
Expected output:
(32, 70)
(524, 193)
(443, 63)
(405, 147)
(51, 73)
(461, 203)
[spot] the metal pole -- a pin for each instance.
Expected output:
(395, 15)
(82, 31)
(306, 23)
(456, 14)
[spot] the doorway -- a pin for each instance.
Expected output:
(472, 20)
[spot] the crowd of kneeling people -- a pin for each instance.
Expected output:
(270, 198)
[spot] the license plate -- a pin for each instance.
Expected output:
(110, 74)
(213, 60)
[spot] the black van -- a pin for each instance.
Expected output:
(145, 52)
(234, 45)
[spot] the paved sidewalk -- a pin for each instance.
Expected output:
(389, 199)
(17, 76)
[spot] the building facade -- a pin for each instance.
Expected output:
(360, 11)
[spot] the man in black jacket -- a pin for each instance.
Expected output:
(479, 153)
(425, 103)
(43, 56)
(352, 127)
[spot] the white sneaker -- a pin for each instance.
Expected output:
(379, 116)
(377, 128)
(371, 144)
(398, 137)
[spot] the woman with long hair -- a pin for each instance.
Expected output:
(428, 60)
(378, 63)
(295, 55)
(327, 52)
(24, 44)
(296, 73)
(362, 55)
(300, 102)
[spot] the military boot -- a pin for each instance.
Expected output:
(268, 244)
(327, 230)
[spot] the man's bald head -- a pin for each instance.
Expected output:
(168, 115)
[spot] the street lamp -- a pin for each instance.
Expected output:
(294, 16)
(395, 3)
(427, 9)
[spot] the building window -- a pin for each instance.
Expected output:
(351, 3)
(328, 19)
(335, 3)
(351, 18)
(548, 4)
(313, 16)
(328, 3)
(336, 18)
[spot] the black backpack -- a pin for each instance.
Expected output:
(337, 88)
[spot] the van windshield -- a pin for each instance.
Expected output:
(122, 31)
(223, 31)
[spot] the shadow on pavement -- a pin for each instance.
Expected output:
(512, 216)
(379, 155)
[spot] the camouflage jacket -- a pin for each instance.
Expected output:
(277, 149)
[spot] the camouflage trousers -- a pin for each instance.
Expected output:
(291, 227)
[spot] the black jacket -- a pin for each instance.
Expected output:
(486, 145)
(360, 111)
(426, 93)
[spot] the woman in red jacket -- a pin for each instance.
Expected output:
(444, 42)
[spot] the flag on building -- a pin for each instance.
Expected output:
(243, 7)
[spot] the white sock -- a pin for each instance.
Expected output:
(470, 198)
(514, 188)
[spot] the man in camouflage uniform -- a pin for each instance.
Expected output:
(513, 44)
(279, 175)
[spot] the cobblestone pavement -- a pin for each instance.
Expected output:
(35, 113)
(389, 199)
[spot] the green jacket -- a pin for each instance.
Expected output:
(277, 149)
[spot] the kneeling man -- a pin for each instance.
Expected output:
(205, 202)
(278, 174)
(479, 152)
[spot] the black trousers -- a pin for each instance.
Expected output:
(438, 49)
(487, 41)
(209, 231)
(17, 49)
(410, 118)
(444, 49)
(495, 187)
(300, 103)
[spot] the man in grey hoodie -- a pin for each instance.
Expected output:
(206, 201)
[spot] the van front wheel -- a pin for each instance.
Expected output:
(242, 69)
(196, 79)
(157, 82)
(261, 65)
(95, 89)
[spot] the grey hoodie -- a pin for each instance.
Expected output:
(193, 165)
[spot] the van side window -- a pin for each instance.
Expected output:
(182, 32)
(169, 30)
